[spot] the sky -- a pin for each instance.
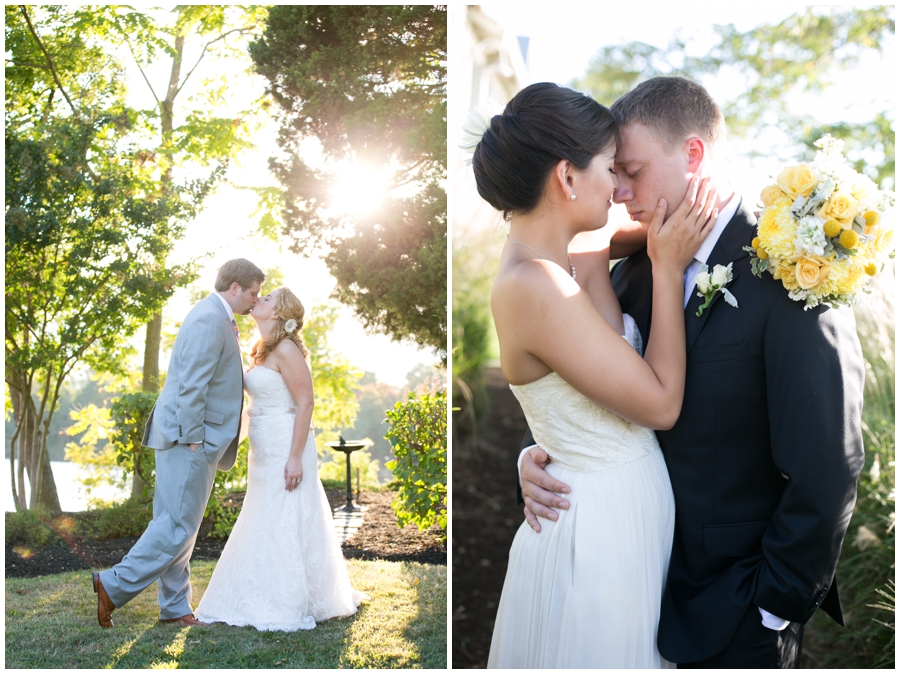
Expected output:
(227, 227)
(564, 37)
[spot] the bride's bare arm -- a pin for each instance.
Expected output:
(540, 497)
(541, 312)
(295, 371)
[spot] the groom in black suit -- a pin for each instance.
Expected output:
(765, 456)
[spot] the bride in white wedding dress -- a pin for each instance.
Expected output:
(586, 591)
(282, 567)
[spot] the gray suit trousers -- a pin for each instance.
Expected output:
(184, 481)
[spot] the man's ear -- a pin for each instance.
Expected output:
(695, 150)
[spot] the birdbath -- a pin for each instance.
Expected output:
(348, 447)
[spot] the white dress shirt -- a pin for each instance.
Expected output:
(702, 255)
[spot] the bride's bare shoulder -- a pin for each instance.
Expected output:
(524, 281)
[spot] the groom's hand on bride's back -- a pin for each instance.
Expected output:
(540, 491)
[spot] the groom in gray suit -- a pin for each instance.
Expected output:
(194, 428)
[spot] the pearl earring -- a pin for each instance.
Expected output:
(573, 197)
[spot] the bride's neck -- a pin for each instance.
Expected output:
(543, 234)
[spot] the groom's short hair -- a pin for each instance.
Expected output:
(673, 108)
(240, 271)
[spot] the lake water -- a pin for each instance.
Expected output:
(72, 497)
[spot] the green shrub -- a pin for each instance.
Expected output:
(866, 568)
(27, 528)
(219, 518)
(129, 414)
(129, 518)
(418, 434)
(475, 261)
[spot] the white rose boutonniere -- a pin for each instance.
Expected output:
(710, 284)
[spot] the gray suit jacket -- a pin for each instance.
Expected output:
(203, 396)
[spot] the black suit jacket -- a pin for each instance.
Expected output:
(765, 456)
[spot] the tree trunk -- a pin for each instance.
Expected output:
(28, 448)
(151, 354)
(47, 495)
(154, 327)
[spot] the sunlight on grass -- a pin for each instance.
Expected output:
(403, 625)
(176, 648)
(122, 651)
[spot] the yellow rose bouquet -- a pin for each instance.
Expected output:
(825, 230)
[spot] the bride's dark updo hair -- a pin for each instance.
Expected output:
(543, 124)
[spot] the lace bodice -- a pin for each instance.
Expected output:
(577, 432)
(267, 390)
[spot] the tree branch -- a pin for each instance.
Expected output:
(138, 64)
(49, 60)
(203, 53)
(26, 64)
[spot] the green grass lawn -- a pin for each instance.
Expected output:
(51, 622)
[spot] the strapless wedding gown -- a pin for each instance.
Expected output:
(282, 567)
(586, 591)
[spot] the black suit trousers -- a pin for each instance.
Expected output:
(755, 646)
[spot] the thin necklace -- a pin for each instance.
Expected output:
(569, 257)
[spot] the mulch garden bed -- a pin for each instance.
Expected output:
(485, 516)
(378, 538)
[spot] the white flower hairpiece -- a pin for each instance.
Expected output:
(473, 130)
(290, 325)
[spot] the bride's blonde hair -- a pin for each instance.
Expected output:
(289, 308)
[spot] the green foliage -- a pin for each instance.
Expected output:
(92, 450)
(866, 568)
(475, 260)
(769, 65)
(28, 527)
(369, 82)
(418, 434)
(219, 518)
(129, 414)
(335, 380)
(87, 221)
(116, 520)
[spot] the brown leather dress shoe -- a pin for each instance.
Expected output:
(105, 607)
(188, 620)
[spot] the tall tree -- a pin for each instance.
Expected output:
(87, 220)
(369, 83)
(773, 63)
(80, 273)
(197, 134)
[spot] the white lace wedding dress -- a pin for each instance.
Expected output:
(282, 567)
(586, 591)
